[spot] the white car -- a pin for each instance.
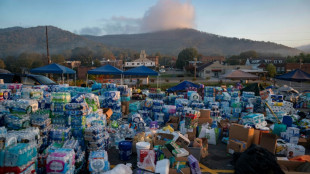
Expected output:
(162, 70)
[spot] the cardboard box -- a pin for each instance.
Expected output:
(239, 132)
(202, 121)
(186, 170)
(191, 134)
(159, 138)
(173, 122)
(108, 112)
(205, 113)
(303, 142)
(236, 146)
(269, 142)
(289, 167)
(257, 136)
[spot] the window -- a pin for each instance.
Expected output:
(132, 63)
(207, 72)
(28, 81)
(278, 69)
(138, 63)
(283, 69)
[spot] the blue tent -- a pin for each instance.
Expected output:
(182, 86)
(296, 75)
(106, 70)
(53, 69)
(141, 71)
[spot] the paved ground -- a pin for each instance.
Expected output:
(217, 158)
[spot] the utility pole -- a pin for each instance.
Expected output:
(47, 51)
(195, 59)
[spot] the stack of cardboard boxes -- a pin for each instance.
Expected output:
(241, 137)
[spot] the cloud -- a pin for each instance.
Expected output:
(169, 14)
(164, 15)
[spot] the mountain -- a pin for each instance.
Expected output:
(171, 42)
(16, 40)
(305, 48)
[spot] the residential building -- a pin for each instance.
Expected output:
(216, 69)
(206, 59)
(143, 60)
(261, 64)
(116, 63)
(73, 64)
(292, 66)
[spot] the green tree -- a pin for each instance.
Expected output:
(97, 63)
(2, 64)
(271, 70)
(83, 54)
(186, 55)
(248, 54)
(58, 58)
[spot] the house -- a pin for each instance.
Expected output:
(261, 64)
(143, 60)
(116, 63)
(206, 59)
(292, 66)
(73, 64)
(216, 69)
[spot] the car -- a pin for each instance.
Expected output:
(162, 70)
(26, 79)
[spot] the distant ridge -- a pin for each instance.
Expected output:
(16, 40)
(171, 42)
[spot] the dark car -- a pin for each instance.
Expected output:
(26, 79)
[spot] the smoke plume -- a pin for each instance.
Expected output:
(168, 14)
(164, 15)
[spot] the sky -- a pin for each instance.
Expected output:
(282, 21)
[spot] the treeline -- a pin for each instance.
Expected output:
(87, 56)
(304, 58)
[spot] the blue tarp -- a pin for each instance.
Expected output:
(53, 69)
(296, 75)
(141, 71)
(182, 86)
(106, 70)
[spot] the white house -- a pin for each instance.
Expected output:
(141, 61)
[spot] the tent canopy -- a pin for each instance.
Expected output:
(296, 75)
(53, 69)
(240, 75)
(106, 70)
(182, 86)
(141, 71)
(254, 87)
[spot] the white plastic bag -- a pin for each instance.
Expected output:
(204, 128)
(149, 161)
(120, 169)
(210, 135)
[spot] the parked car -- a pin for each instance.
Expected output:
(26, 79)
(162, 70)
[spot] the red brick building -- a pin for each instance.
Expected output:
(206, 59)
(292, 66)
(82, 71)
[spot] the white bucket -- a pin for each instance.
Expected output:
(142, 146)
